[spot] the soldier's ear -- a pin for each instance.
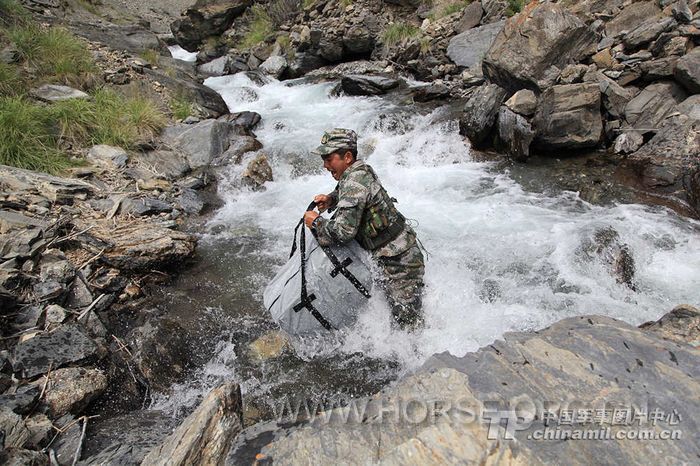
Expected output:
(348, 157)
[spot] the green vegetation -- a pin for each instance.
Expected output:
(307, 3)
(260, 27)
(514, 7)
(181, 106)
(453, 7)
(346, 3)
(28, 141)
(151, 56)
(53, 54)
(10, 80)
(11, 12)
(398, 32)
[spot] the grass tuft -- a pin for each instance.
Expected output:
(260, 27)
(10, 80)
(12, 13)
(398, 32)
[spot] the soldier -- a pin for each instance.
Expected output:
(365, 212)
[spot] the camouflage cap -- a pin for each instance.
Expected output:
(336, 140)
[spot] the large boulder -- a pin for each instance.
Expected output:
(207, 434)
(132, 38)
(209, 103)
(514, 133)
(648, 31)
(630, 17)
(480, 113)
(367, 85)
(468, 48)
(275, 66)
(533, 46)
(568, 117)
(650, 107)
(204, 142)
(687, 71)
(615, 97)
(204, 19)
(668, 166)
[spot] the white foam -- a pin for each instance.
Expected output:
(179, 53)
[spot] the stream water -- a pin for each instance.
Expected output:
(501, 258)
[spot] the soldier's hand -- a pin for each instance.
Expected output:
(309, 217)
(322, 201)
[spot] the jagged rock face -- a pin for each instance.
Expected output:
(650, 107)
(668, 165)
(204, 19)
(630, 17)
(535, 45)
(468, 48)
(568, 117)
(687, 71)
(480, 113)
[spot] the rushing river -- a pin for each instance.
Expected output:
(501, 258)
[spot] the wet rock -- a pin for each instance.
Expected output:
(523, 102)
(190, 202)
(206, 435)
(668, 165)
(650, 107)
(431, 92)
(480, 112)
(687, 71)
(248, 120)
(468, 48)
(514, 133)
(202, 142)
(606, 246)
(161, 352)
(72, 389)
(57, 93)
(257, 173)
(216, 67)
(471, 17)
(648, 31)
(628, 142)
(51, 350)
(275, 66)
(367, 85)
(108, 156)
(544, 37)
(568, 117)
(21, 457)
(682, 324)
(238, 148)
(204, 19)
(270, 345)
(144, 206)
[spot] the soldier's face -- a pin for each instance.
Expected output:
(337, 164)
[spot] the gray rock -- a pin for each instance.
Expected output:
(330, 48)
(209, 102)
(529, 53)
(468, 48)
(20, 402)
(430, 92)
(257, 173)
(568, 117)
(10, 54)
(22, 457)
(682, 325)
(275, 66)
(144, 206)
(687, 71)
(480, 113)
(514, 133)
(615, 97)
(239, 147)
(108, 156)
(647, 31)
(57, 93)
(28, 317)
(190, 202)
(54, 188)
(649, 108)
(471, 17)
(668, 164)
(655, 70)
(494, 10)
(79, 295)
(303, 63)
(64, 345)
(248, 120)
(690, 107)
(628, 142)
(72, 389)
(216, 67)
(69, 440)
(204, 19)
(604, 246)
(15, 432)
(367, 85)
(630, 17)
(207, 434)
(40, 431)
(91, 321)
(572, 74)
(132, 37)
(681, 12)
(55, 314)
(164, 163)
(203, 142)
(669, 44)
(523, 102)
(358, 40)
(22, 243)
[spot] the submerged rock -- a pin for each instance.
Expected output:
(367, 85)
(514, 133)
(270, 345)
(257, 173)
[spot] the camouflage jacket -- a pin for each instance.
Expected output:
(360, 201)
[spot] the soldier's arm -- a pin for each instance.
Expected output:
(332, 200)
(343, 226)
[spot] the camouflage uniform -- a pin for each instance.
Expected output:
(365, 212)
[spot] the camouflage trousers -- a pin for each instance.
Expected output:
(401, 278)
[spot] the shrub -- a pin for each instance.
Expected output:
(28, 141)
(399, 32)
